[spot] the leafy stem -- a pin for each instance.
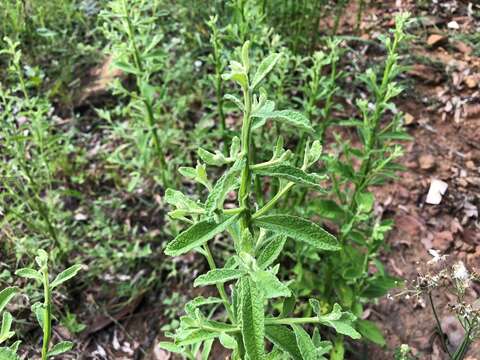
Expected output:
(47, 313)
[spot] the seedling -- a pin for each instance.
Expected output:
(44, 312)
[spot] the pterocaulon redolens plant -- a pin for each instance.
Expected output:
(259, 233)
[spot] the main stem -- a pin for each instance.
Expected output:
(244, 191)
(47, 315)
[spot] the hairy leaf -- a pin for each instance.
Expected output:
(299, 229)
(285, 339)
(197, 235)
(305, 343)
(65, 275)
(289, 117)
(252, 319)
(226, 183)
(264, 68)
(29, 274)
(290, 173)
(5, 332)
(270, 286)
(218, 276)
(270, 251)
(196, 336)
(60, 348)
(6, 295)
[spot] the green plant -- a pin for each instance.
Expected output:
(258, 238)
(44, 312)
(32, 151)
(134, 47)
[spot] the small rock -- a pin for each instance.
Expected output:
(442, 240)
(408, 119)
(436, 39)
(427, 162)
(453, 25)
(453, 329)
(472, 81)
(436, 191)
(470, 165)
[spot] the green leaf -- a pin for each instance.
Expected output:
(65, 275)
(252, 319)
(290, 173)
(218, 276)
(207, 347)
(235, 100)
(328, 209)
(264, 68)
(213, 159)
(182, 202)
(285, 339)
(200, 301)
(299, 229)
(39, 312)
(341, 321)
(126, 67)
(171, 347)
(305, 343)
(197, 235)
(5, 332)
(370, 331)
(6, 295)
(226, 183)
(8, 354)
(196, 336)
(289, 117)
(380, 286)
(270, 286)
(29, 274)
(270, 251)
(60, 348)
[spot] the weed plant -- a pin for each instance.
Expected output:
(258, 236)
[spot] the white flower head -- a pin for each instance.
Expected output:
(461, 275)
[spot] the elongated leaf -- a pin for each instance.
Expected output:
(299, 229)
(235, 100)
(200, 301)
(264, 68)
(6, 295)
(305, 343)
(370, 331)
(289, 117)
(65, 275)
(60, 348)
(285, 339)
(217, 276)
(170, 347)
(197, 235)
(269, 252)
(125, 67)
(227, 182)
(5, 332)
(252, 319)
(290, 173)
(196, 336)
(29, 274)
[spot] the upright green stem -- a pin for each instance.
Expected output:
(220, 288)
(244, 191)
(47, 314)
(148, 106)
